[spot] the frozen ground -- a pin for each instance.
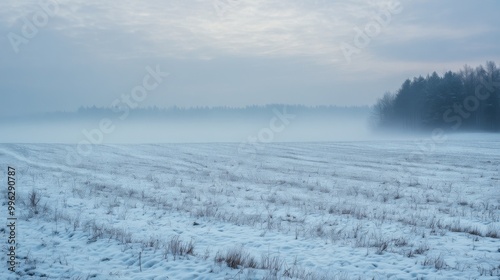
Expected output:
(345, 210)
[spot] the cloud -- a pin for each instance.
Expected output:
(268, 28)
(271, 50)
(179, 28)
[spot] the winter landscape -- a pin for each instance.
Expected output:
(249, 140)
(345, 210)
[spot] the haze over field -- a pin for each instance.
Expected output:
(277, 123)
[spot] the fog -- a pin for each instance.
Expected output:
(265, 124)
(198, 129)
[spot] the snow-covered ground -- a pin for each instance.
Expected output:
(344, 210)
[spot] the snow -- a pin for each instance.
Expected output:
(340, 210)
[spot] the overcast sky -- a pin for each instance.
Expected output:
(232, 52)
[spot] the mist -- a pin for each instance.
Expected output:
(265, 125)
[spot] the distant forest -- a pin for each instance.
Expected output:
(227, 113)
(468, 100)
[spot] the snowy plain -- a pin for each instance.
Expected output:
(339, 210)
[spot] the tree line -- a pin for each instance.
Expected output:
(467, 100)
(205, 112)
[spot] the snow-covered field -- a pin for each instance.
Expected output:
(344, 210)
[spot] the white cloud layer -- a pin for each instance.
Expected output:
(412, 38)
